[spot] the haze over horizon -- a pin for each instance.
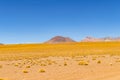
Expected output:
(28, 21)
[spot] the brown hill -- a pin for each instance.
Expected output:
(59, 39)
(105, 39)
(1, 44)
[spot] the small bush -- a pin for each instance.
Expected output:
(16, 65)
(25, 71)
(65, 63)
(99, 62)
(42, 71)
(111, 64)
(1, 66)
(117, 60)
(93, 58)
(83, 63)
(27, 66)
(43, 65)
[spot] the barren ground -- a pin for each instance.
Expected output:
(91, 67)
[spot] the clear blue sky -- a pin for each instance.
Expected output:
(24, 21)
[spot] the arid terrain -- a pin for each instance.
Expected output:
(67, 61)
(59, 39)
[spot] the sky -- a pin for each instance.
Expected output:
(36, 21)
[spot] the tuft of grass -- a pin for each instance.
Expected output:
(43, 65)
(49, 63)
(1, 66)
(42, 71)
(111, 64)
(27, 66)
(3, 79)
(117, 60)
(93, 58)
(83, 63)
(99, 62)
(25, 71)
(65, 63)
(16, 65)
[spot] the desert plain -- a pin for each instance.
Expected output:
(64, 61)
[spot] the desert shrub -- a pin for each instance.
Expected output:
(42, 71)
(117, 60)
(65, 63)
(27, 66)
(16, 65)
(93, 58)
(49, 63)
(99, 62)
(1, 66)
(25, 71)
(43, 65)
(111, 64)
(83, 63)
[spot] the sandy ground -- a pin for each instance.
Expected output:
(91, 67)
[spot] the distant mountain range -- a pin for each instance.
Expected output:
(61, 39)
(105, 39)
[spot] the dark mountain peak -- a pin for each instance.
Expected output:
(59, 39)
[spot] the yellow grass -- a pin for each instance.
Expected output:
(25, 51)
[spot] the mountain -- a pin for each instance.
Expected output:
(105, 39)
(1, 44)
(90, 39)
(59, 39)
